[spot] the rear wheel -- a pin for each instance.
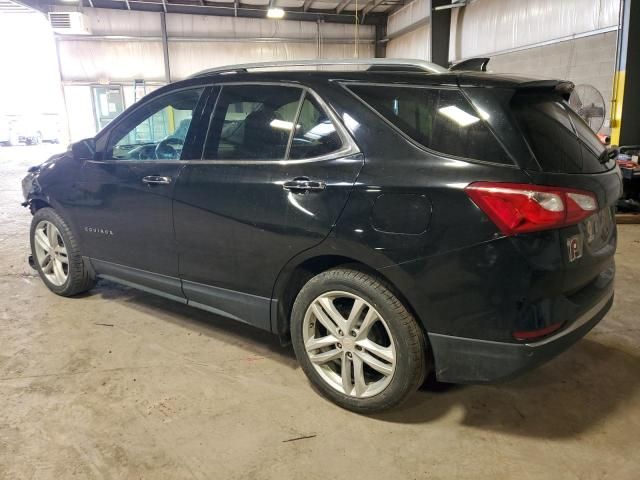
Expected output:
(56, 255)
(355, 340)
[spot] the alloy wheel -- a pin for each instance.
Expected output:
(51, 253)
(349, 344)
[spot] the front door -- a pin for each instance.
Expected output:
(123, 208)
(276, 173)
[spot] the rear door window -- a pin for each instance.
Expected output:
(252, 122)
(559, 139)
(439, 119)
(314, 134)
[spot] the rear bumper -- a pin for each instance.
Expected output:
(468, 360)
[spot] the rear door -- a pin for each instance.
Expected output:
(276, 172)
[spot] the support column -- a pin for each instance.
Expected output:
(440, 28)
(165, 47)
(625, 116)
(380, 46)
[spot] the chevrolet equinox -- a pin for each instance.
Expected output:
(392, 222)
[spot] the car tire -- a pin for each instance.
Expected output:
(56, 255)
(384, 342)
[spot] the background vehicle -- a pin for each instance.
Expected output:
(8, 135)
(391, 223)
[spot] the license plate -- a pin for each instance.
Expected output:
(574, 247)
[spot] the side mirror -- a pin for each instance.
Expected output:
(84, 149)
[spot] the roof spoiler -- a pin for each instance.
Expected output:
(562, 87)
(471, 65)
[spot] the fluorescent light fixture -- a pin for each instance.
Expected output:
(281, 124)
(275, 12)
(458, 115)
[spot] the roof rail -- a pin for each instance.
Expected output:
(373, 63)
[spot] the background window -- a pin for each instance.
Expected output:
(157, 130)
(442, 120)
(314, 135)
(252, 122)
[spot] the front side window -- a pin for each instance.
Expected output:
(440, 119)
(155, 131)
(252, 122)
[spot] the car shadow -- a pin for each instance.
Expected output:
(231, 332)
(562, 398)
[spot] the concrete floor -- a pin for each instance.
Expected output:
(173, 392)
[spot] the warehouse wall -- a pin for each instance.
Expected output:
(588, 60)
(568, 39)
(196, 42)
(410, 32)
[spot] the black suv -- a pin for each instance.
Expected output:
(393, 222)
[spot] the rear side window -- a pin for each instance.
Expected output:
(560, 140)
(440, 119)
(314, 134)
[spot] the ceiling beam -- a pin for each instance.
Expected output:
(342, 5)
(371, 5)
(222, 9)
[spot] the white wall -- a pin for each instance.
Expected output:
(488, 26)
(415, 43)
(196, 42)
(567, 39)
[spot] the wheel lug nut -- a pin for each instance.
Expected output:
(340, 332)
(349, 354)
(339, 345)
(311, 324)
(358, 347)
(353, 333)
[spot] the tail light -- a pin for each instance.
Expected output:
(520, 207)
(530, 335)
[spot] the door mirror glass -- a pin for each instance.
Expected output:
(84, 149)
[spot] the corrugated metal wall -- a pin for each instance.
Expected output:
(414, 20)
(490, 26)
(195, 43)
(569, 39)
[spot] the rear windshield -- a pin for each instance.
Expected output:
(560, 140)
(440, 119)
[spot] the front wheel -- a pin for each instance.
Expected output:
(56, 255)
(356, 342)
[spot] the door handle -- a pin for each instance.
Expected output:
(303, 184)
(156, 180)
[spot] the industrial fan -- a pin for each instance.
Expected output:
(588, 102)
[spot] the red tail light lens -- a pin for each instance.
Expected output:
(520, 207)
(529, 335)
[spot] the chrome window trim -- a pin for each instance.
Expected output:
(349, 146)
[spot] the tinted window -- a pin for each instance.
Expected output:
(156, 130)
(314, 135)
(548, 124)
(442, 120)
(252, 122)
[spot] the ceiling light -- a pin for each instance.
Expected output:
(458, 115)
(275, 12)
